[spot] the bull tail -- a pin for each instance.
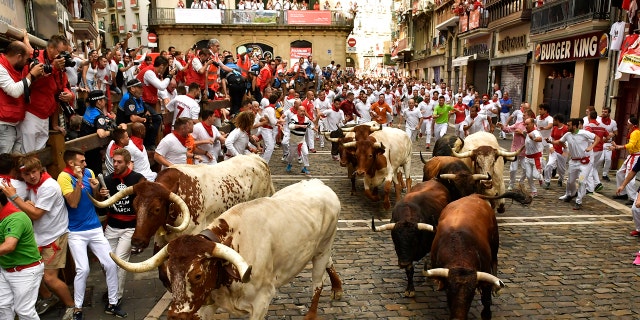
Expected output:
(517, 195)
(422, 159)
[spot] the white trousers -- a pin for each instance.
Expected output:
(427, 124)
(93, 239)
(120, 243)
(35, 132)
(459, 127)
(513, 171)
(556, 161)
(440, 130)
(577, 178)
(635, 212)
(310, 137)
(594, 177)
(285, 143)
(19, 292)
(531, 173)
(606, 158)
(630, 190)
(503, 120)
(269, 142)
(411, 132)
(294, 141)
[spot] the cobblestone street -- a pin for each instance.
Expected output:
(556, 263)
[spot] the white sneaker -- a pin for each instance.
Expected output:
(68, 314)
(299, 159)
(283, 159)
(565, 197)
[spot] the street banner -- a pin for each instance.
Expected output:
(629, 62)
(309, 17)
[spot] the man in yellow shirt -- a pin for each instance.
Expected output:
(633, 148)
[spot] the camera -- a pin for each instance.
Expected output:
(136, 63)
(33, 61)
(68, 59)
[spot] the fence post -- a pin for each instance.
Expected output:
(56, 142)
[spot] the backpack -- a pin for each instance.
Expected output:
(235, 80)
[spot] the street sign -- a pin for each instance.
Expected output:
(152, 37)
(351, 42)
(328, 51)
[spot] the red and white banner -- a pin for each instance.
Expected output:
(309, 17)
(629, 62)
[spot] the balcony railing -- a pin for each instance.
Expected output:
(113, 28)
(562, 13)
(170, 16)
(474, 20)
(499, 9)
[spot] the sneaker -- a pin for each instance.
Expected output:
(606, 178)
(305, 171)
(620, 197)
(420, 135)
(77, 315)
(43, 305)
(635, 233)
(288, 169)
(428, 146)
(636, 262)
(598, 187)
(589, 191)
(577, 206)
(546, 185)
(559, 183)
(510, 188)
(565, 198)
(312, 150)
(284, 158)
(629, 202)
(299, 159)
(68, 314)
(335, 158)
(534, 194)
(115, 310)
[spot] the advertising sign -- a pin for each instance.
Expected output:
(309, 17)
(198, 16)
(255, 17)
(587, 46)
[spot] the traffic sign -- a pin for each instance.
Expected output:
(152, 37)
(351, 42)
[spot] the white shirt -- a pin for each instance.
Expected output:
(55, 221)
(613, 126)
(578, 143)
(334, 119)
(477, 124)
(518, 115)
(237, 142)
(140, 161)
(322, 105)
(543, 122)
(363, 110)
(172, 150)
(200, 133)
(426, 108)
(412, 117)
(617, 35)
(531, 146)
(183, 106)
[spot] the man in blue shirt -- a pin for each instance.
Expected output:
(506, 104)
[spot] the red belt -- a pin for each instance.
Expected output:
(268, 127)
(428, 118)
(584, 160)
(536, 157)
(122, 217)
(26, 266)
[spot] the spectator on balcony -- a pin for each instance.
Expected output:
(241, 5)
(222, 6)
(89, 71)
(269, 5)
(180, 4)
(286, 5)
(196, 4)
(304, 5)
(277, 5)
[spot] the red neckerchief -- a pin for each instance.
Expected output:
(7, 210)
(208, 129)
(633, 128)
(495, 100)
(122, 176)
(138, 142)
(487, 102)
(529, 131)
(190, 96)
(182, 140)
(113, 148)
(69, 171)
(594, 122)
(5, 177)
(44, 177)
(606, 121)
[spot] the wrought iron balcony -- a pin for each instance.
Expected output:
(517, 9)
(171, 16)
(474, 20)
(559, 14)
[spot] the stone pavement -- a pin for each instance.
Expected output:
(557, 263)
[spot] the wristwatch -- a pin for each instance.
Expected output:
(13, 197)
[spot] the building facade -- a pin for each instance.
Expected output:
(122, 16)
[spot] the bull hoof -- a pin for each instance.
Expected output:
(409, 294)
(501, 208)
(337, 294)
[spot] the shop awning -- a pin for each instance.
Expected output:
(450, 23)
(521, 59)
(460, 61)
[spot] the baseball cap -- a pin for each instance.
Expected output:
(134, 83)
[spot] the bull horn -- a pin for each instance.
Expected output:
(113, 199)
(465, 154)
(505, 153)
(326, 136)
(186, 215)
(425, 227)
(350, 144)
(378, 145)
(223, 252)
(422, 159)
(348, 129)
(143, 266)
(436, 273)
(375, 126)
(384, 227)
(449, 176)
(495, 281)
(480, 176)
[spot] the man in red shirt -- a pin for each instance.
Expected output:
(348, 108)
(460, 112)
(593, 180)
(46, 93)
(557, 160)
(266, 74)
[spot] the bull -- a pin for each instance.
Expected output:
(413, 216)
(443, 146)
(207, 190)
(379, 158)
(483, 155)
(464, 253)
(264, 250)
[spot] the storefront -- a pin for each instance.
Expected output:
(474, 64)
(509, 62)
(571, 73)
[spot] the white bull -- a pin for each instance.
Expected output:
(268, 241)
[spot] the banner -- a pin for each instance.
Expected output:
(198, 16)
(587, 46)
(629, 62)
(255, 17)
(309, 17)
(296, 53)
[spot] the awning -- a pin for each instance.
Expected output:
(451, 22)
(521, 59)
(460, 61)
(84, 30)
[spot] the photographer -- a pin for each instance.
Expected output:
(14, 76)
(150, 86)
(46, 94)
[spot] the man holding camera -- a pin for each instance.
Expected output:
(151, 83)
(14, 79)
(46, 93)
